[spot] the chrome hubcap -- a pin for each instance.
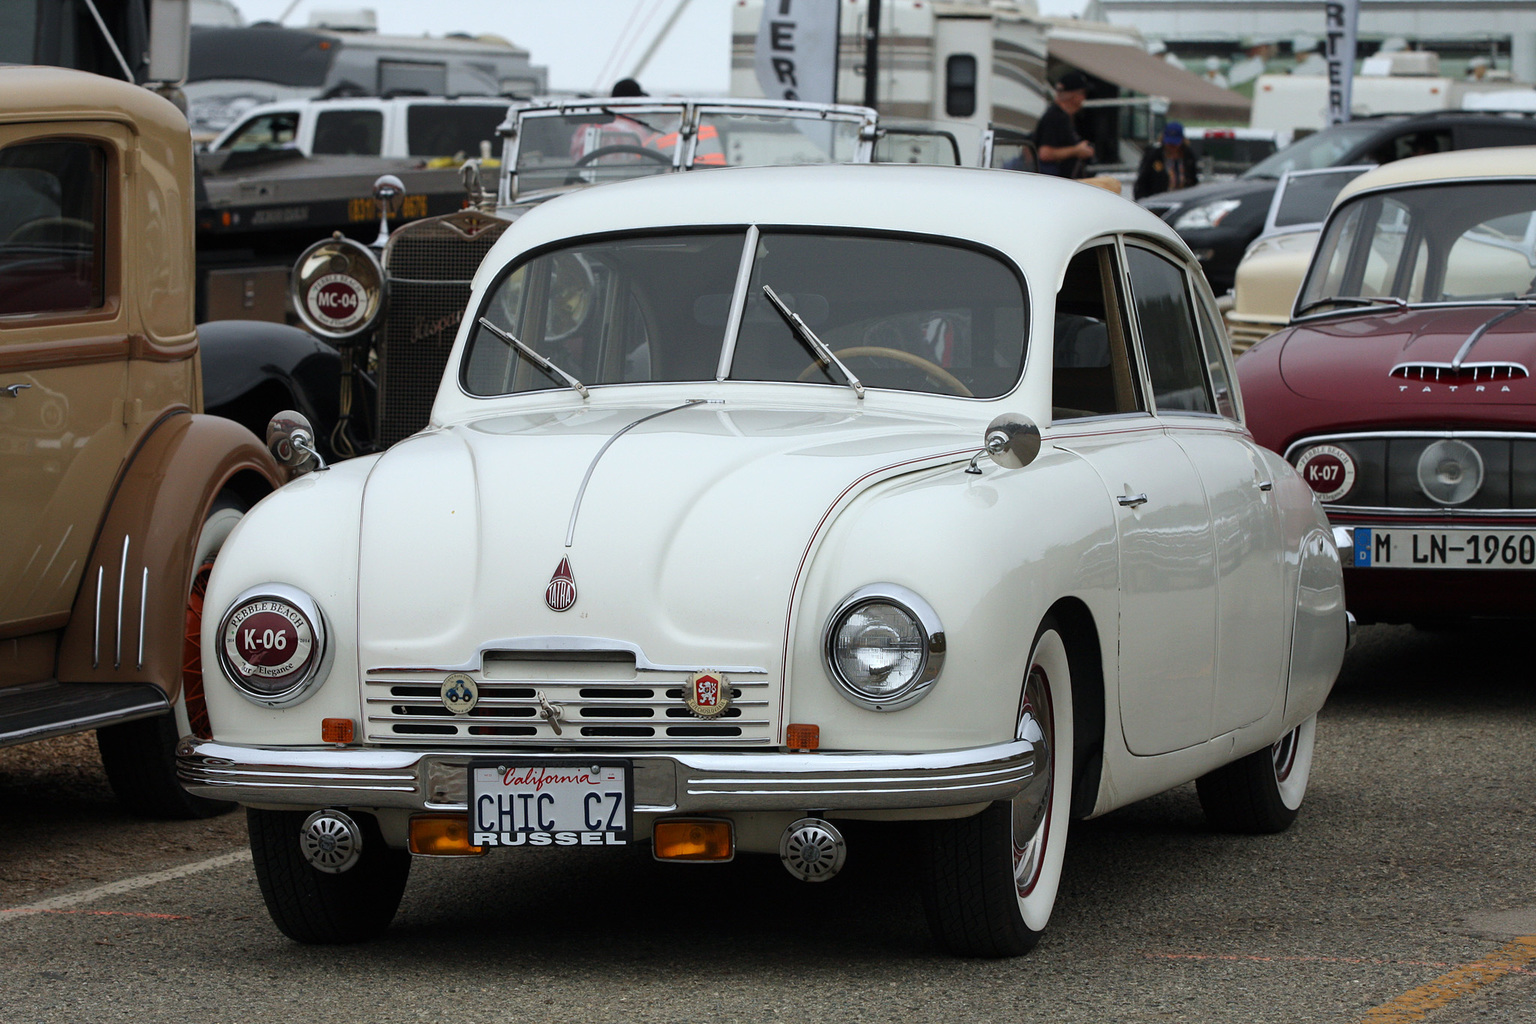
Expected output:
(1032, 821)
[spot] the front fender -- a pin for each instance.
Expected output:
(129, 617)
(253, 369)
(991, 553)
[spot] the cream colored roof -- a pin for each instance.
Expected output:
(1503, 162)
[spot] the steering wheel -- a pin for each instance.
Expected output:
(38, 229)
(616, 150)
(933, 371)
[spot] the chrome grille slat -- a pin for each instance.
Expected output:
(646, 711)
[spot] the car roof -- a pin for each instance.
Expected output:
(1038, 220)
(1500, 162)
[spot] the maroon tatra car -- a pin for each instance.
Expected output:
(1402, 388)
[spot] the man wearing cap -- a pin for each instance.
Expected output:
(1168, 167)
(1062, 151)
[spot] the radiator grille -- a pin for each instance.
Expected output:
(649, 712)
(428, 265)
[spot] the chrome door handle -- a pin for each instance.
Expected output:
(1266, 485)
(14, 389)
(1131, 500)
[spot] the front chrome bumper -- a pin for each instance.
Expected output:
(665, 783)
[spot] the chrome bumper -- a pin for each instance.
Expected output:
(663, 782)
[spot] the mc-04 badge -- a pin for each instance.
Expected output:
(561, 592)
(707, 694)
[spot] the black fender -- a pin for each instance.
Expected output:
(253, 369)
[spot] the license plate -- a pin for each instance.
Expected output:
(1444, 549)
(543, 803)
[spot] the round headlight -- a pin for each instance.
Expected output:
(1450, 472)
(272, 645)
(884, 647)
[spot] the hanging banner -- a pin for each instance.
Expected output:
(797, 50)
(1343, 16)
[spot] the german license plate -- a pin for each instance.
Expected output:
(1444, 549)
(543, 803)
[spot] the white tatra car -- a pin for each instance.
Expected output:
(758, 500)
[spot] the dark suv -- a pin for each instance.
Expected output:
(1220, 219)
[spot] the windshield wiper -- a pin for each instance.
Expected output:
(1354, 300)
(537, 360)
(816, 345)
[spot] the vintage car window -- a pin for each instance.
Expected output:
(269, 131)
(1165, 314)
(349, 133)
(763, 140)
(595, 146)
(1216, 346)
(634, 309)
(1457, 242)
(1092, 372)
(902, 313)
(52, 220)
(1323, 149)
(450, 129)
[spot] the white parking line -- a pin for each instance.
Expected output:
(85, 896)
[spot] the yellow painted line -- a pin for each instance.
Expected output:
(1416, 1004)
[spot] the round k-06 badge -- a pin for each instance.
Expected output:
(707, 694)
(268, 640)
(460, 693)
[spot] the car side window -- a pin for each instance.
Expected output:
(1419, 143)
(269, 131)
(1093, 373)
(1166, 317)
(349, 133)
(52, 226)
(1215, 345)
(1483, 136)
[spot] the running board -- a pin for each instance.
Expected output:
(39, 710)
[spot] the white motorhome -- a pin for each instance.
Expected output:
(983, 62)
(1407, 82)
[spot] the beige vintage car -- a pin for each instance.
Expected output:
(115, 490)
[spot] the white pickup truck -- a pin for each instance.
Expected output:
(407, 126)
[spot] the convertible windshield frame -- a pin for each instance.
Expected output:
(1421, 251)
(720, 315)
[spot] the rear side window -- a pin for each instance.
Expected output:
(1168, 333)
(444, 129)
(52, 226)
(1483, 136)
(349, 133)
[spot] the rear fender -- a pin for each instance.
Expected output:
(129, 617)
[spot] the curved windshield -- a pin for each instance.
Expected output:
(1456, 242)
(1326, 148)
(893, 312)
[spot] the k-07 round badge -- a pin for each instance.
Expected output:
(707, 694)
(1328, 470)
(460, 693)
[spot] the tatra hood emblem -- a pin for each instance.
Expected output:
(561, 592)
(707, 694)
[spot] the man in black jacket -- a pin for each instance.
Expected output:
(1167, 167)
(1062, 151)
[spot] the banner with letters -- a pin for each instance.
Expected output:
(1343, 17)
(797, 50)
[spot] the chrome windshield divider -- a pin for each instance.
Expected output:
(570, 530)
(738, 303)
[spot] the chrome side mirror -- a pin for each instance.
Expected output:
(388, 196)
(1012, 440)
(291, 440)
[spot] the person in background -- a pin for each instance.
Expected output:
(1168, 167)
(1062, 151)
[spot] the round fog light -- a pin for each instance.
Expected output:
(1450, 472)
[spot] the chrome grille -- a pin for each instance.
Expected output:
(1386, 464)
(405, 706)
(428, 265)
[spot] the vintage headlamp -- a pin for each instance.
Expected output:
(883, 647)
(1450, 472)
(273, 645)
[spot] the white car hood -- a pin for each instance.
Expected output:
(691, 530)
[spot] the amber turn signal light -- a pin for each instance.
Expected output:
(802, 737)
(336, 730)
(442, 835)
(694, 839)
